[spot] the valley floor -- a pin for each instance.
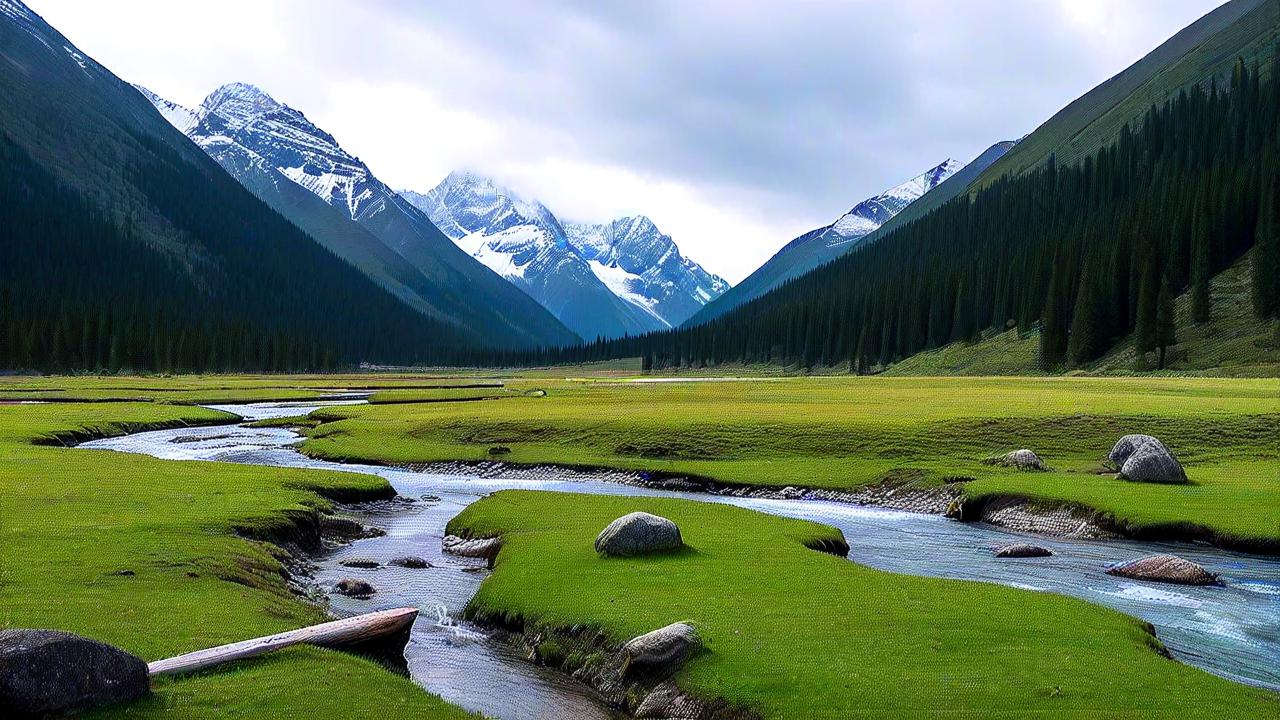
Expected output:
(73, 521)
(843, 433)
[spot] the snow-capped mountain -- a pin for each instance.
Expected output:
(641, 264)
(275, 151)
(824, 244)
(600, 280)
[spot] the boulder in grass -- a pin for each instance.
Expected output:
(638, 533)
(1153, 463)
(1164, 568)
(661, 649)
(1021, 550)
(1126, 446)
(1023, 459)
(48, 672)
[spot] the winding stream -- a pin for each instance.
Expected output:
(1233, 631)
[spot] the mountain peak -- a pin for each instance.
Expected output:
(239, 102)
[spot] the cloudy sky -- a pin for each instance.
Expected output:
(735, 125)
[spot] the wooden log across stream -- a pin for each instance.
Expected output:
(343, 633)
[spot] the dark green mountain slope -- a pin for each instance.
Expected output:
(1088, 252)
(126, 246)
(1207, 47)
(1203, 49)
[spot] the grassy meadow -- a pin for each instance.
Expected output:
(71, 521)
(836, 639)
(846, 432)
(795, 633)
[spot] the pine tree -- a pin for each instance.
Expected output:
(1165, 323)
(1201, 266)
(1053, 323)
(1087, 340)
(1149, 286)
(1265, 265)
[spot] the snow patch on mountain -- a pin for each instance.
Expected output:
(626, 286)
(868, 215)
(180, 117)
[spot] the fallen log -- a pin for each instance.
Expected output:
(345, 634)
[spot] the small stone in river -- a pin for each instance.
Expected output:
(1021, 550)
(352, 587)
(638, 533)
(663, 647)
(412, 562)
(1164, 568)
(362, 563)
(486, 548)
(345, 529)
(49, 672)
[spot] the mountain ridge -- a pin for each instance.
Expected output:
(821, 245)
(261, 141)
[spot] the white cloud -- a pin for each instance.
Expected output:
(735, 126)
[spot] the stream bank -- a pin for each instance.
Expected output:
(1233, 631)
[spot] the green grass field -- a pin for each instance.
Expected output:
(795, 633)
(847, 432)
(70, 520)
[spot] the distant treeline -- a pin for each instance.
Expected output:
(79, 291)
(1088, 253)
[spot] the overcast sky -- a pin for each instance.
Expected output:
(735, 125)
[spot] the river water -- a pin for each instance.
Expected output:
(1233, 631)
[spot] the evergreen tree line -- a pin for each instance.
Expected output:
(1086, 253)
(242, 290)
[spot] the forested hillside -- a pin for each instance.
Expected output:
(1089, 252)
(123, 246)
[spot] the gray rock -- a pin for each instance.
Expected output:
(661, 648)
(1021, 550)
(1164, 568)
(1153, 463)
(46, 672)
(353, 587)
(362, 563)
(486, 548)
(1023, 459)
(1126, 445)
(638, 533)
(412, 562)
(346, 529)
(668, 702)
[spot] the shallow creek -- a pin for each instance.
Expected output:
(1233, 631)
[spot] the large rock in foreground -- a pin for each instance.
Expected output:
(1164, 568)
(1143, 458)
(661, 649)
(1153, 463)
(48, 672)
(1126, 446)
(638, 533)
